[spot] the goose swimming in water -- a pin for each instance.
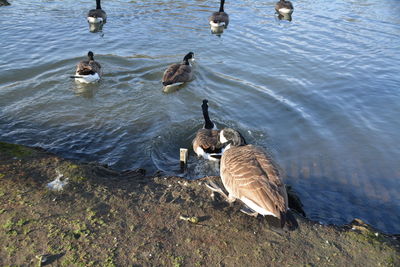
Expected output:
(88, 71)
(4, 3)
(220, 18)
(249, 175)
(284, 6)
(177, 74)
(97, 15)
(206, 143)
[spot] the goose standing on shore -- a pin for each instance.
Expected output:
(220, 18)
(249, 175)
(88, 71)
(97, 15)
(206, 143)
(284, 7)
(179, 73)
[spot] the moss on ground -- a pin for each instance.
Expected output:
(106, 218)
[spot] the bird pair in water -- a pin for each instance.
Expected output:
(246, 171)
(89, 71)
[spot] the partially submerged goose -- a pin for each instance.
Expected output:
(249, 175)
(177, 74)
(220, 18)
(97, 15)
(88, 71)
(206, 143)
(284, 7)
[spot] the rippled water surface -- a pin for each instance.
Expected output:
(321, 93)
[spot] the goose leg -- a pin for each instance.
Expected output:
(215, 188)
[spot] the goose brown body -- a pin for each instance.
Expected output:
(87, 67)
(219, 18)
(98, 14)
(206, 143)
(177, 73)
(249, 174)
(284, 6)
(207, 140)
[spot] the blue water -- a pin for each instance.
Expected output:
(320, 93)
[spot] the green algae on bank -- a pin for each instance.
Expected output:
(109, 218)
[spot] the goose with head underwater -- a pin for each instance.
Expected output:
(248, 174)
(206, 143)
(179, 73)
(284, 7)
(88, 71)
(97, 15)
(220, 18)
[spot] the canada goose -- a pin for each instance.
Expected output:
(284, 6)
(220, 18)
(206, 144)
(97, 15)
(250, 175)
(179, 73)
(88, 71)
(4, 3)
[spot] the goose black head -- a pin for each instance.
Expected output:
(90, 55)
(232, 137)
(189, 56)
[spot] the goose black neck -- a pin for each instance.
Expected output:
(98, 6)
(186, 61)
(221, 6)
(208, 124)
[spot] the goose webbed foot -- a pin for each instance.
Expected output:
(215, 188)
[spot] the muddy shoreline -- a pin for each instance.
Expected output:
(103, 217)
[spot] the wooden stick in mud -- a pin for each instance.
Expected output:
(184, 156)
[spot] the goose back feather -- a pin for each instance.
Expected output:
(88, 70)
(284, 6)
(250, 175)
(97, 15)
(219, 18)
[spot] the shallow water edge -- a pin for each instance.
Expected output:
(112, 218)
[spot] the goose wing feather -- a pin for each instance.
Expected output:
(177, 73)
(97, 13)
(247, 172)
(88, 67)
(285, 4)
(220, 17)
(207, 140)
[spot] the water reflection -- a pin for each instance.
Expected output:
(284, 16)
(217, 30)
(85, 90)
(96, 27)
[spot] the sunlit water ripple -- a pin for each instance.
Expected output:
(320, 93)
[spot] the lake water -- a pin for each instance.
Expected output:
(320, 93)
